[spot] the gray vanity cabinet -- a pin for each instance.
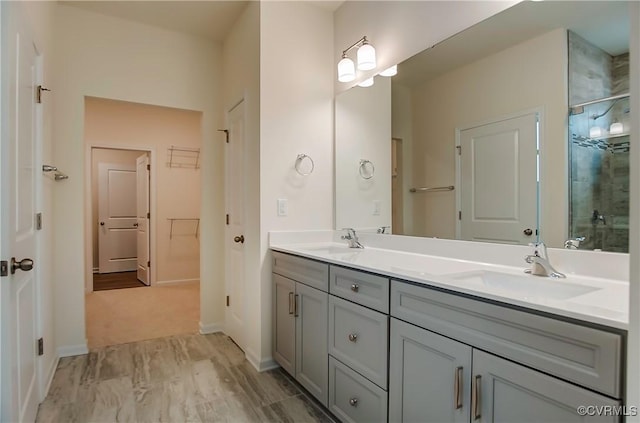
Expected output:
(435, 379)
(429, 376)
(503, 391)
(300, 322)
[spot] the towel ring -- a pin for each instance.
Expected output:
(299, 164)
(366, 169)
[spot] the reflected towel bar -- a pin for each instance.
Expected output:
(431, 189)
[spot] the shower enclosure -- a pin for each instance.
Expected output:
(599, 173)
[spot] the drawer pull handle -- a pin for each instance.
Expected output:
(291, 303)
(295, 305)
(475, 397)
(353, 402)
(353, 337)
(457, 383)
(355, 287)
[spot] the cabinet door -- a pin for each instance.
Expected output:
(507, 392)
(429, 376)
(311, 340)
(284, 323)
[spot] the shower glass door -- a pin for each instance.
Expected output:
(599, 173)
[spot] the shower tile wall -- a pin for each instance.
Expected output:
(599, 166)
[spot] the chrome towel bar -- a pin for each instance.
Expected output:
(432, 189)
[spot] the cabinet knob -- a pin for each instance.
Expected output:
(353, 402)
(355, 287)
(353, 337)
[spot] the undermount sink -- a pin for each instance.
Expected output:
(331, 250)
(526, 286)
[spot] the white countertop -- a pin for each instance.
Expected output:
(590, 299)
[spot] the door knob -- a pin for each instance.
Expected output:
(528, 232)
(101, 223)
(25, 265)
(239, 239)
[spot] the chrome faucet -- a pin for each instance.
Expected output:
(574, 243)
(352, 238)
(539, 262)
(383, 229)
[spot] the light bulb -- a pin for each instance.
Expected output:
(616, 128)
(346, 70)
(366, 83)
(595, 132)
(366, 57)
(393, 70)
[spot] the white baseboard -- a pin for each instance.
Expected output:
(177, 281)
(49, 376)
(71, 350)
(211, 328)
(261, 365)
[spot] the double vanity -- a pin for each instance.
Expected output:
(390, 334)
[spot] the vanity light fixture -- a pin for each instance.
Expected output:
(366, 57)
(595, 132)
(616, 128)
(393, 70)
(366, 83)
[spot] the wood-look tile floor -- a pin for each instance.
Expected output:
(185, 378)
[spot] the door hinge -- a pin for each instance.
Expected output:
(226, 132)
(227, 219)
(40, 346)
(39, 91)
(38, 221)
(148, 215)
(227, 301)
(459, 148)
(4, 268)
(460, 215)
(148, 167)
(148, 264)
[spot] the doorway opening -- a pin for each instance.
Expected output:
(142, 214)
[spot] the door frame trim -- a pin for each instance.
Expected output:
(541, 131)
(88, 192)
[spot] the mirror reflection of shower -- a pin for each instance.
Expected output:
(599, 147)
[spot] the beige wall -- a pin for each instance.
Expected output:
(296, 116)
(119, 123)
(363, 131)
(494, 87)
(400, 29)
(241, 62)
(106, 57)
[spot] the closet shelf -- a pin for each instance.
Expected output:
(195, 220)
(183, 157)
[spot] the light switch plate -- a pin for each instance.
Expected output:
(376, 207)
(283, 207)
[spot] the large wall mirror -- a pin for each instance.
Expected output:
(513, 130)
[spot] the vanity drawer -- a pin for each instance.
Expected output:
(353, 398)
(363, 288)
(580, 354)
(309, 272)
(359, 337)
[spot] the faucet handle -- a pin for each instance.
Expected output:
(539, 249)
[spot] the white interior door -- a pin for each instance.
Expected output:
(234, 234)
(498, 178)
(117, 218)
(19, 290)
(143, 217)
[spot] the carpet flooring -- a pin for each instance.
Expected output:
(120, 316)
(116, 280)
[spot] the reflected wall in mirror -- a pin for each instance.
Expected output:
(468, 92)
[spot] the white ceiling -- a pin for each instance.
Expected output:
(212, 19)
(602, 23)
